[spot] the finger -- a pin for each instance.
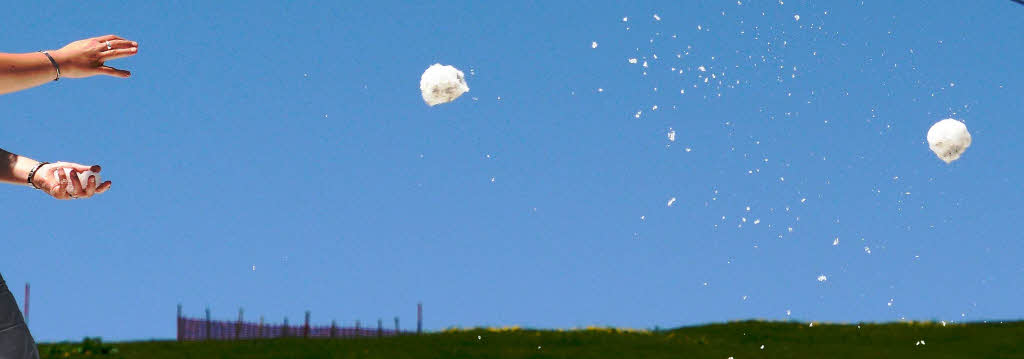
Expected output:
(62, 179)
(90, 186)
(108, 38)
(118, 53)
(122, 44)
(103, 187)
(110, 71)
(76, 184)
(56, 191)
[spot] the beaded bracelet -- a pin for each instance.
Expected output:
(32, 173)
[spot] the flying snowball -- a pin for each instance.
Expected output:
(949, 139)
(442, 84)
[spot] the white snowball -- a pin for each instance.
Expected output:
(83, 177)
(442, 84)
(949, 139)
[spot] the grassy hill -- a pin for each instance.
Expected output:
(740, 340)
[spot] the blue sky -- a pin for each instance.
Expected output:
(292, 137)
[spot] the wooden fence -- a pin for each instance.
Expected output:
(196, 329)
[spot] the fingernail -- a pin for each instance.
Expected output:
(135, 43)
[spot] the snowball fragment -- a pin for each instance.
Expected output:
(948, 139)
(671, 135)
(671, 201)
(442, 84)
(593, 44)
(796, 17)
(822, 278)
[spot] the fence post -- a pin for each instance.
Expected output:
(334, 327)
(397, 330)
(380, 328)
(260, 330)
(238, 326)
(419, 318)
(305, 327)
(180, 329)
(26, 303)
(358, 332)
(207, 323)
(284, 330)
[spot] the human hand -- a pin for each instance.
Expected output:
(84, 58)
(63, 186)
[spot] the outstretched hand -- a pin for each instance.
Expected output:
(63, 186)
(84, 58)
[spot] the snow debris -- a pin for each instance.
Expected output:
(671, 135)
(671, 201)
(822, 278)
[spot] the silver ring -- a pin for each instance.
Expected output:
(108, 45)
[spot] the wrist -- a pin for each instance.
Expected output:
(35, 176)
(59, 60)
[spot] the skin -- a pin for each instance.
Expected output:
(79, 59)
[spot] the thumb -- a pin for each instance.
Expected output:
(110, 71)
(77, 167)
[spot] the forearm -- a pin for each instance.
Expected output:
(22, 71)
(14, 169)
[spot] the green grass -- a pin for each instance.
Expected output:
(740, 340)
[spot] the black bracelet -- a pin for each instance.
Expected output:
(32, 173)
(54, 62)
